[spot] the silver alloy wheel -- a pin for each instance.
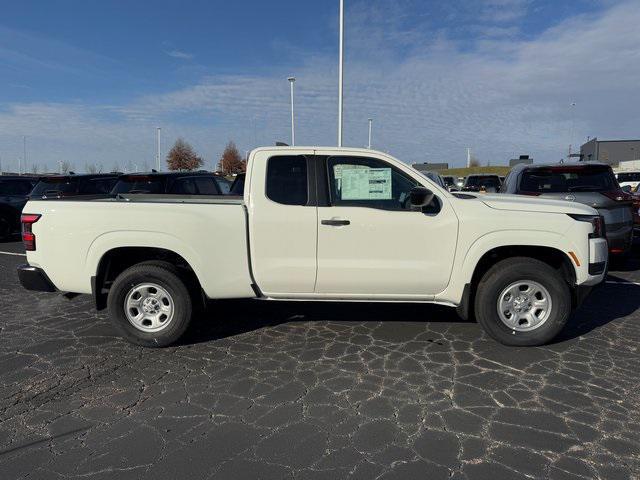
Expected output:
(149, 307)
(524, 305)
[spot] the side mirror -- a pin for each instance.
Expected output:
(420, 196)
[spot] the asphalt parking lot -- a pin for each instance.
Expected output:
(318, 390)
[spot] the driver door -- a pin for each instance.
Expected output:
(371, 243)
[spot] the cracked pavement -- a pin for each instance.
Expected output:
(317, 390)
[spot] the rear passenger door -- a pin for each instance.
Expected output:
(283, 229)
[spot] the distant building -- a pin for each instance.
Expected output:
(430, 167)
(522, 159)
(610, 151)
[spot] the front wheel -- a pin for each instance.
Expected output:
(150, 305)
(522, 302)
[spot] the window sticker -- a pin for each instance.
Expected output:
(365, 184)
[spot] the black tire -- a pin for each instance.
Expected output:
(508, 272)
(164, 275)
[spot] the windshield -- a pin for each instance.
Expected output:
(628, 177)
(568, 179)
(140, 184)
(55, 186)
(15, 187)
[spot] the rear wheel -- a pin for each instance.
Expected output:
(150, 305)
(522, 301)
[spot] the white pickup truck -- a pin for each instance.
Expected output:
(320, 224)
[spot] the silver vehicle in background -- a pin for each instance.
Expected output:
(590, 183)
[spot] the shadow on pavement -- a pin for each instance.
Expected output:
(606, 303)
(228, 318)
(233, 317)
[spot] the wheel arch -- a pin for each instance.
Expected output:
(552, 256)
(116, 260)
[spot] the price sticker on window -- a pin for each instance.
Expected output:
(366, 184)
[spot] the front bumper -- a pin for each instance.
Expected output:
(34, 278)
(598, 258)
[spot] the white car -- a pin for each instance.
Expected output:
(320, 223)
(628, 178)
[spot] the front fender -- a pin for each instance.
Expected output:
(503, 238)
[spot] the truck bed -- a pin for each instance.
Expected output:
(208, 232)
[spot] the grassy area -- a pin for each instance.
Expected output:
(463, 172)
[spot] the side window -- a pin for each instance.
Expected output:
(184, 186)
(368, 182)
(287, 180)
(97, 185)
(206, 186)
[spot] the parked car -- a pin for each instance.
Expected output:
(320, 224)
(224, 184)
(176, 183)
(434, 177)
(14, 193)
(59, 186)
(237, 187)
(482, 183)
(628, 179)
(589, 183)
(450, 183)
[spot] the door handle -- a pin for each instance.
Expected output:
(335, 222)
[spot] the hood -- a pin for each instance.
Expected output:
(525, 203)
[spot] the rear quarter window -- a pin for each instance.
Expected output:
(287, 180)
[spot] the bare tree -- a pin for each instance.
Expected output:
(474, 162)
(182, 156)
(116, 167)
(35, 168)
(231, 162)
(90, 168)
(65, 167)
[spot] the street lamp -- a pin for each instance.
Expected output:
(158, 147)
(292, 80)
(370, 122)
(572, 106)
(340, 71)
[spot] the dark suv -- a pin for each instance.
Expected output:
(60, 186)
(14, 193)
(590, 183)
(178, 183)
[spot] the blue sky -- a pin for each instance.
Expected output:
(87, 81)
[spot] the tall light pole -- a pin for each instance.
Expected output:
(158, 129)
(24, 151)
(292, 80)
(370, 122)
(340, 72)
(573, 115)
